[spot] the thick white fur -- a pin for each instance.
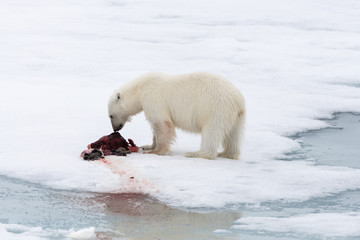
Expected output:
(198, 102)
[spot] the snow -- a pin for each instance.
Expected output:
(296, 65)
(221, 231)
(20, 232)
(321, 224)
(86, 233)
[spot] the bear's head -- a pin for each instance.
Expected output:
(118, 113)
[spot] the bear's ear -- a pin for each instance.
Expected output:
(117, 96)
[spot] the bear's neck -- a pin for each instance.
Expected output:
(135, 105)
(136, 108)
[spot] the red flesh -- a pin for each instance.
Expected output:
(108, 144)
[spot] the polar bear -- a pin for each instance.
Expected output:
(198, 102)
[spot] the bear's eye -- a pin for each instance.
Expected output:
(111, 116)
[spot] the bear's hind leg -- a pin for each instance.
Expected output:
(210, 141)
(232, 140)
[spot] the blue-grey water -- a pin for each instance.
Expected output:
(132, 216)
(338, 146)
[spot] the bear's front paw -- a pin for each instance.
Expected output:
(147, 147)
(155, 152)
(148, 152)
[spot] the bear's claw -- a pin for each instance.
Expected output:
(147, 147)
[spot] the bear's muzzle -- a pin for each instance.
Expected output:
(118, 128)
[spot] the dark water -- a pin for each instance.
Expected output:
(338, 146)
(132, 216)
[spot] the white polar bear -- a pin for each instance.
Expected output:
(197, 102)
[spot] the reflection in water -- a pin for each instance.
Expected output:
(115, 216)
(141, 217)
